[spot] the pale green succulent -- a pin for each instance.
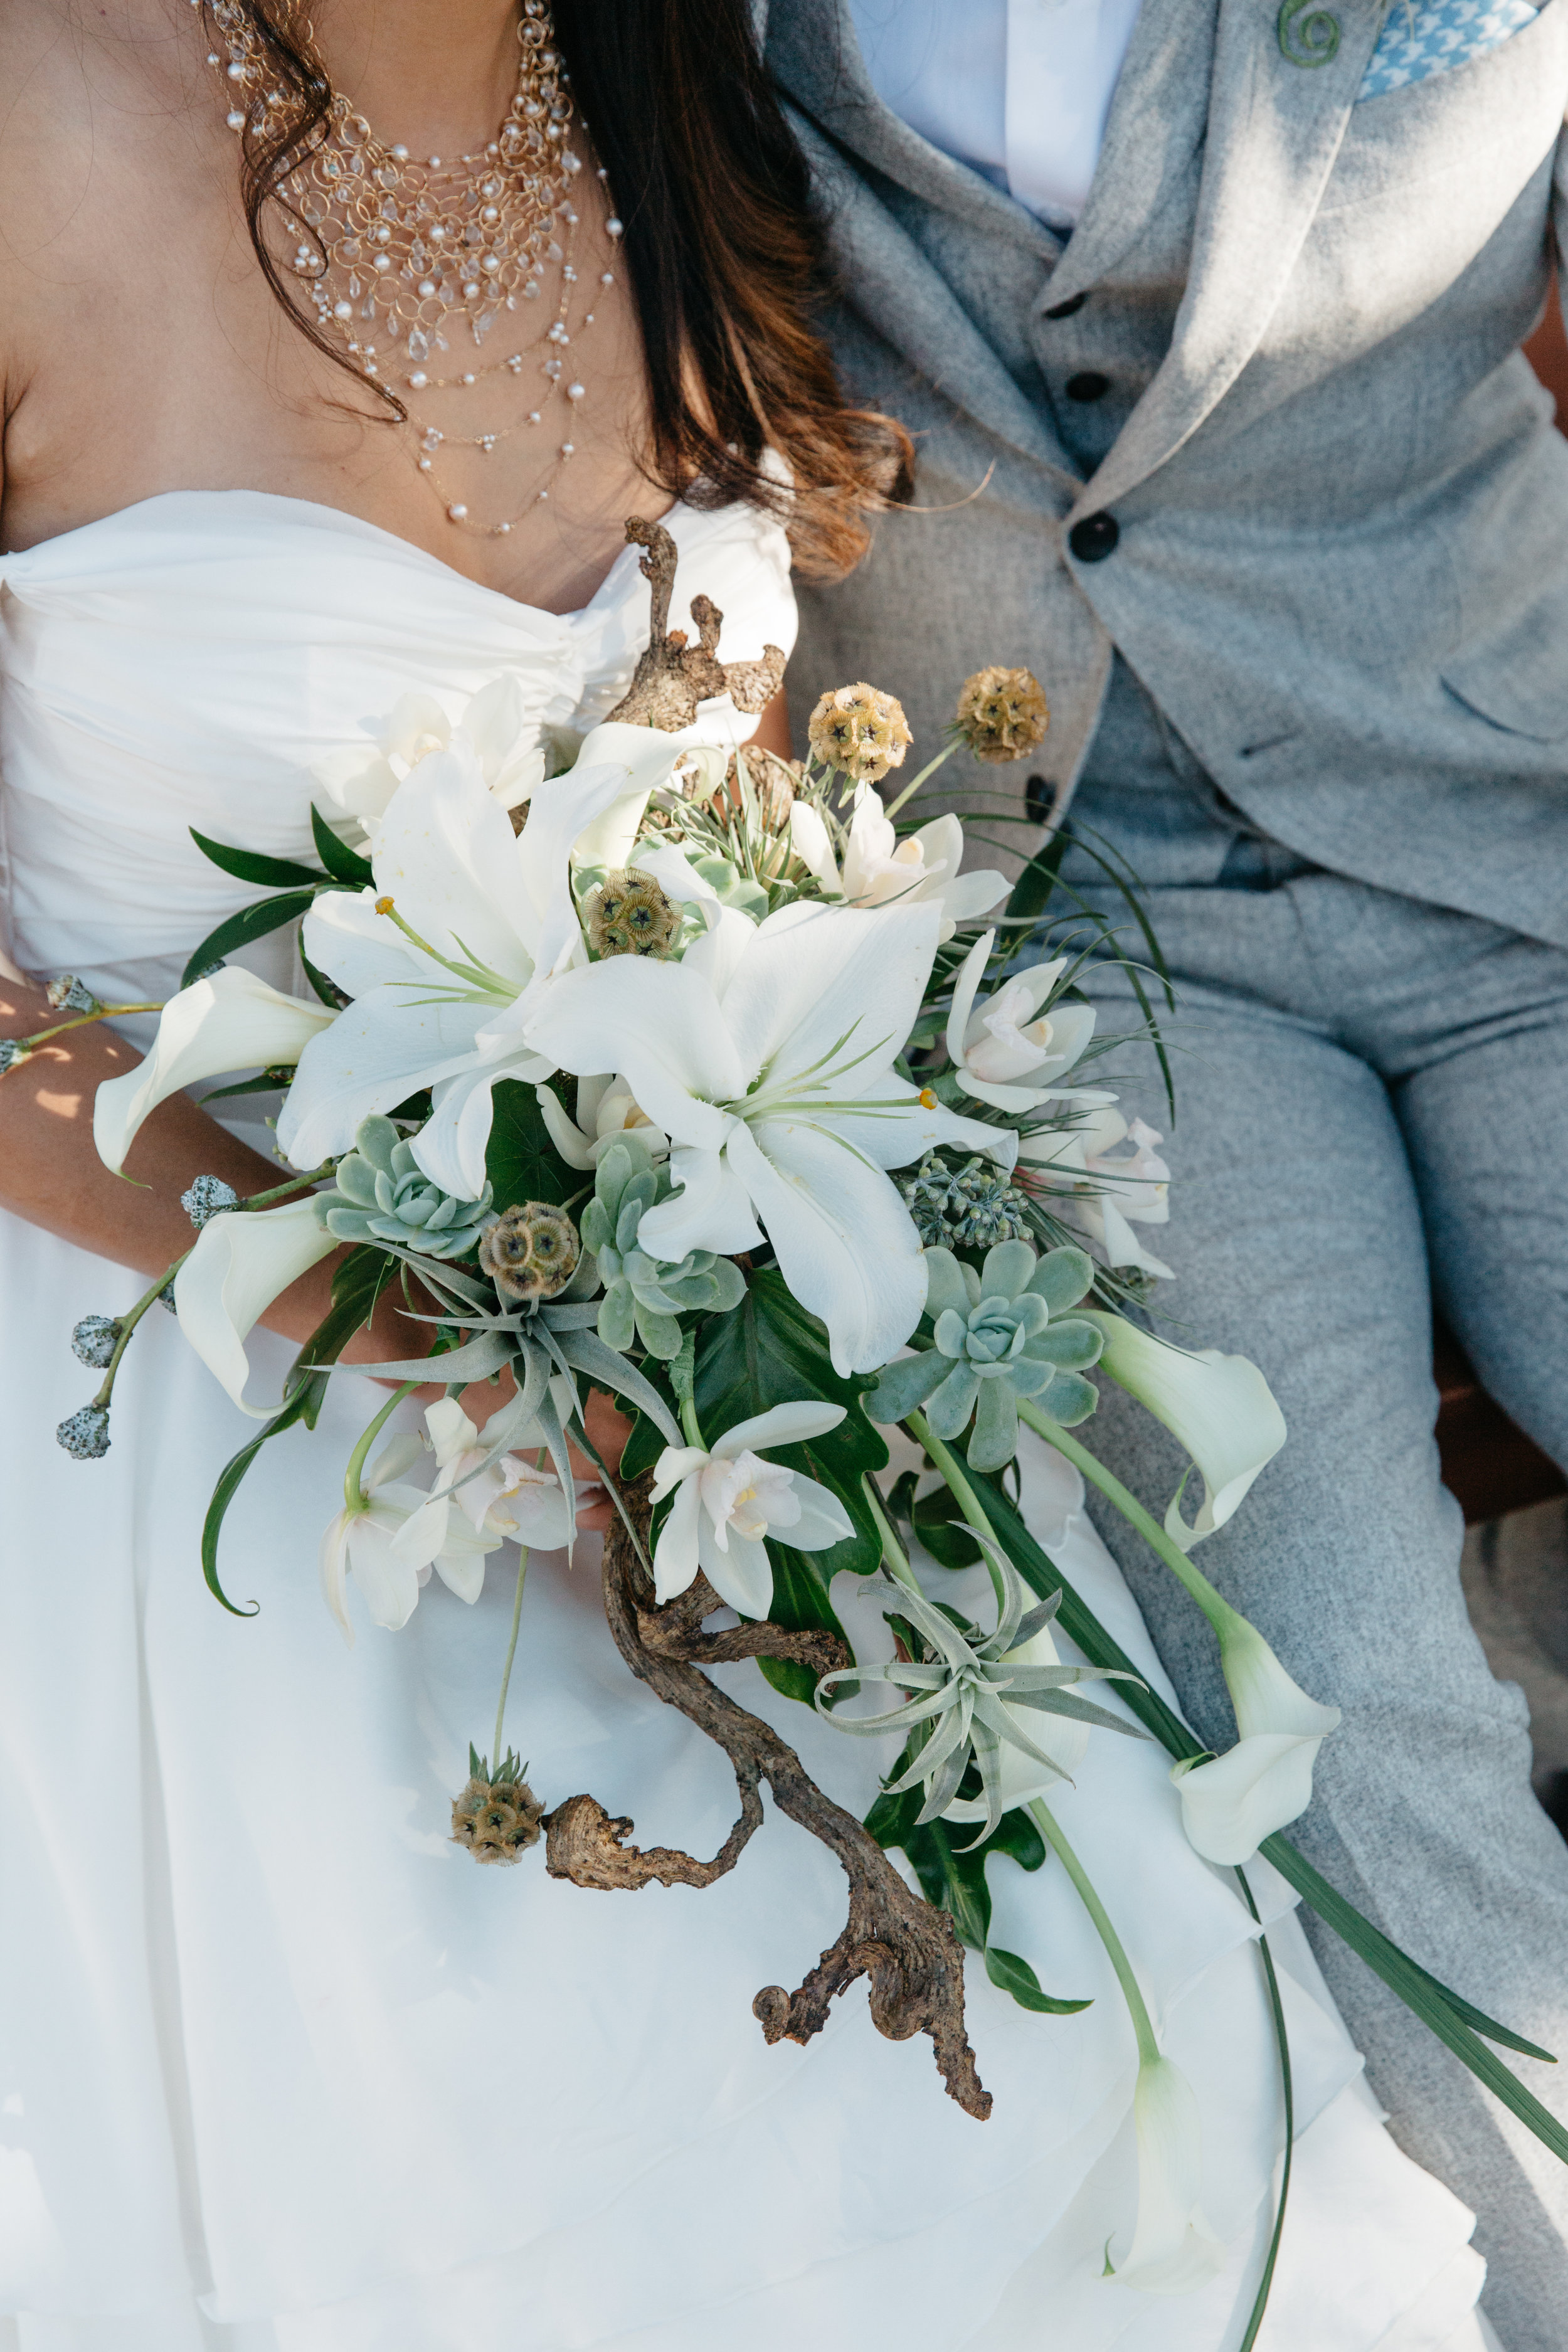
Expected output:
(997, 1336)
(383, 1196)
(644, 1296)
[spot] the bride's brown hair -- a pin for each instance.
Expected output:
(727, 260)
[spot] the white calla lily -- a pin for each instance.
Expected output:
(1003, 1040)
(230, 1021)
(728, 1500)
(1173, 2251)
(242, 1261)
(1231, 1804)
(766, 1057)
(464, 925)
(1219, 1407)
(880, 870)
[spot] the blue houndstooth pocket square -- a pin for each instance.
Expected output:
(1430, 37)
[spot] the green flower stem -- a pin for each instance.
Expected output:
(1143, 2024)
(1216, 1608)
(510, 1654)
(893, 1556)
(279, 1191)
(127, 1325)
(85, 1021)
(929, 769)
(691, 1425)
(968, 1500)
(354, 1493)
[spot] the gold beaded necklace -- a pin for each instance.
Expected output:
(404, 258)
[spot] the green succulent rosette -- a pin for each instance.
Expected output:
(382, 1195)
(998, 1335)
(645, 1295)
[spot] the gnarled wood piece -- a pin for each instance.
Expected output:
(906, 1948)
(674, 676)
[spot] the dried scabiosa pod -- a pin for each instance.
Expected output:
(531, 1253)
(860, 731)
(1002, 714)
(497, 1819)
(628, 914)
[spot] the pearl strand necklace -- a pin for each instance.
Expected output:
(425, 246)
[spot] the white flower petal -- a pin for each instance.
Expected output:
(964, 987)
(740, 1572)
(230, 1022)
(713, 1209)
(808, 839)
(333, 1561)
(1219, 1407)
(829, 986)
(241, 1262)
(445, 855)
(782, 1424)
(1172, 2250)
(660, 1025)
(1261, 1785)
(391, 1588)
(675, 1557)
(823, 1520)
(374, 1055)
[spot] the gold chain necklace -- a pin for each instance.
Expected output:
(402, 256)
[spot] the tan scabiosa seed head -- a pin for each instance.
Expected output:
(860, 731)
(1002, 714)
(531, 1253)
(628, 914)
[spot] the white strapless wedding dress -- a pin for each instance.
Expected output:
(282, 2071)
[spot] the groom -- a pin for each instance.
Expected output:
(1222, 430)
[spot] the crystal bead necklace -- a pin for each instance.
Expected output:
(403, 258)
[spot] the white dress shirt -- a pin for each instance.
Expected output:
(1018, 89)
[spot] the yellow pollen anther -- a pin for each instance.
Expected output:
(384, 906)
(928, 1099)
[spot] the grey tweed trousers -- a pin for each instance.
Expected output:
(1371, 1109)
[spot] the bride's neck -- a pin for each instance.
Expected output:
(436, 75)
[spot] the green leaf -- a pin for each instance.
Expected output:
(327, 990)
(344, 863)
(356, 1285)
(239, 930)
(1032, 890)
(247, 865)
(1013, 1975)
(521, 1161)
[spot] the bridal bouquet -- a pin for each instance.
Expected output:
(696, 1077)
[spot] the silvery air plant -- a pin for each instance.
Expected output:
(715, 1083)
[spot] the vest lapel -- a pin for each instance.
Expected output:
(815, 59)
(1274, 128)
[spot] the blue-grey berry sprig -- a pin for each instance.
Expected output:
(207, 1198)
(93, 1340)
(973, 1207)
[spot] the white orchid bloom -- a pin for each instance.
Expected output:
(443, 957)
(728, 1500)
(766, 1057)
(1219, 1407)
(1005, 1039)
(496, 724)
(242, 1261)
(231, 1021)
(505, 1500)
(390, 1541)
(1101, 1196)
(880, 870)
(1173, 2251)
(1265, 1781)
(606, 1110)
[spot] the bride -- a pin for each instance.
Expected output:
(283, 2073)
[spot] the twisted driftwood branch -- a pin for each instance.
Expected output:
(673, 677)
(905, 1948)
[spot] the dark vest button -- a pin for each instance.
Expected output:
(1089, 385)
(1092, 540)
(1067, 309)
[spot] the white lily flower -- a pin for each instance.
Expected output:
(880, 870)
(729, 1499)
(1004, 1038)
(464, 925)
(766, 1057)
(1265, 1781)
(242, 1261)
(507, 1500)
(1101, 1196)
(496, 725)
(1219, 1407)
(1173, 2251)
(606, 1110)
(231, 1021)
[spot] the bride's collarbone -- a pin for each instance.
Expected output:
(143, 352)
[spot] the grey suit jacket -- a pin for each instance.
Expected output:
(1340, 557)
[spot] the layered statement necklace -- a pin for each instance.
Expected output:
(425, 270)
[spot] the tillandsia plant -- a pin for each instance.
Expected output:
(696, 1077)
